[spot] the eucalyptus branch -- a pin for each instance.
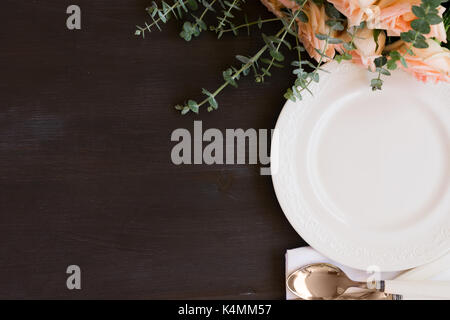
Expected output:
(427, 14)
(276, 56)
(162, 15)
(304, 78)
(230, 76)
(258, 22)
(222, 21)
(319, 64)
(349, 46)
(195, 29)
(314, 75)
(235, 76)
(299, 50)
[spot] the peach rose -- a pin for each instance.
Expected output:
(395, 16)
(356, 11)
(308, 30)
(366, 48)
(315, 25)
(274, 6)
(428, 64)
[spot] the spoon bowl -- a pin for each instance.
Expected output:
(321, 281)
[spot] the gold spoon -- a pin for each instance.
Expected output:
(324, 281)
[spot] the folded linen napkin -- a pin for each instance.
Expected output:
(297, 258)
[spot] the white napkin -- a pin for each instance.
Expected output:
(297, 258)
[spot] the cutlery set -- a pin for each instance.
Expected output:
(324, 281)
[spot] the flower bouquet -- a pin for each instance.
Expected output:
(380, 35)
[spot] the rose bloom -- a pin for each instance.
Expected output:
(428, 64)
(308, 30)
(316, 25)
(395, 16)
(274, 6)
(366, 48)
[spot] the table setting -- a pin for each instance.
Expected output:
(225, 150)
(360, 165)
(313, 175)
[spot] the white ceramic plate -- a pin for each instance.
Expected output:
(364, 177)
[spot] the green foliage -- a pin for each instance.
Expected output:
(427, 15)
(268, 57)
(225, 19)
(349, 46)
(160, 14)
(447, 27)
(271, 55)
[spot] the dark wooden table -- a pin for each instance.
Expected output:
(85, 170)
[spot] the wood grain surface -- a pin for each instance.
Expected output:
(85, 170)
